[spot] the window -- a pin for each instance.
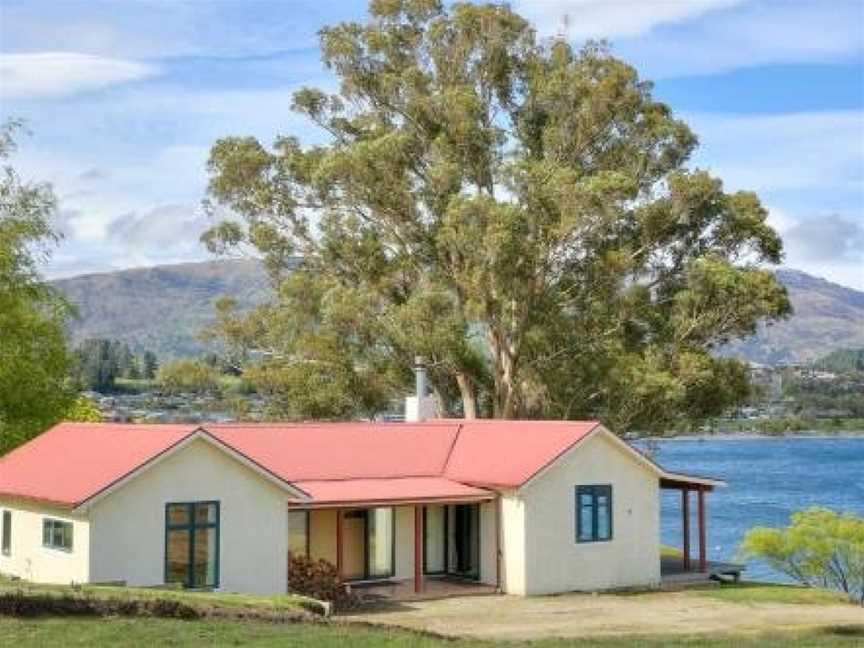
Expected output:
(593, 513)
(192, 544)
(56, 534)
(298, 533)
(6, 542)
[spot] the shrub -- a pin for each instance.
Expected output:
(319, 579)
(26, 604)
(820, 548)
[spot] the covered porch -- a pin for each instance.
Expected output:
(404, 541)
(687, 568)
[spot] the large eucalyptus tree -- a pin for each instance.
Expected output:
(519, 212)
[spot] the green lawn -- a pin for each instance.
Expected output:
(161, 632)
(769, 593)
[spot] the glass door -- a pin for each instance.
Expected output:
(368, 537)
(435, 539)
(463, 522)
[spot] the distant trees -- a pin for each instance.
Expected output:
(34, 362)
(820, 548)
(188, 376)
(149, 365)
(100, 362)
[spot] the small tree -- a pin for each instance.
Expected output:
(83, 410)
(188, 376)
(820, 548)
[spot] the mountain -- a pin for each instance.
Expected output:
(827, 317)
(163, 308)
(160, 309)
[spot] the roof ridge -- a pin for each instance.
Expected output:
(452, 446)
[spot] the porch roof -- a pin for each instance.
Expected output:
(398, 490)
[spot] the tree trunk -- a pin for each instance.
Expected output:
(469, 397)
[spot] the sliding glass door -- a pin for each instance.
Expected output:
(451, 540)
(368, 543)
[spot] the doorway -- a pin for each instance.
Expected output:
(451, 538)
(368, 541)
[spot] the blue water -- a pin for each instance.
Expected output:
(768, 479)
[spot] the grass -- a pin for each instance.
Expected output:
(770, 593)
(201, 600)
(670, 552)
(162, 632)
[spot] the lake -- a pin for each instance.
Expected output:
(768, 479)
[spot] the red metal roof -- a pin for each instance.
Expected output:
(344, 450)
(72, 461)
(402, 489)
(509, 453)
(349, 462)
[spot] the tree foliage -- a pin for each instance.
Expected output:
(820, 548)
(518, 212)
(188, 376)
(33, 357)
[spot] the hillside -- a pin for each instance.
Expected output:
(827, 317)
(163, 308)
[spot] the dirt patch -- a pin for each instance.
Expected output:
(579, 615)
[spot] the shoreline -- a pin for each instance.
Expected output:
(755, 436)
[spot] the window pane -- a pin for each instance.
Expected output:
(178, 514)
(586, 522)
(177, 556)
(205, 513)
(46, 533)
(604, 526)
(380, 539)
(204, 567)
(434, 549)
(298, 532)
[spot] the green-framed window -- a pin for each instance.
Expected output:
(594, 513)
(56, 534)
(192, 544)
(6, 542)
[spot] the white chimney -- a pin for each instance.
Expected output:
(420, 406)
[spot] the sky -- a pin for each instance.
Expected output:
(124, 98)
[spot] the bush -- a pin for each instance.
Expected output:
(820, 548)
(25, 604)
(320, 580)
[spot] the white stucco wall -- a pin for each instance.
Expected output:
(554, 561)
(30, 560)
(128, 526)
(512, 543)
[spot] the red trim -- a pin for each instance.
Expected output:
(685, 514)
(703, 562)
(299, 504)
(418, 549)
(339, 543)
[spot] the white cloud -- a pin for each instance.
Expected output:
(751, 35)
(612, 18)
(783, 152)
(823, 245)
(58, 74)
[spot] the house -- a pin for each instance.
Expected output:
(527, 507)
